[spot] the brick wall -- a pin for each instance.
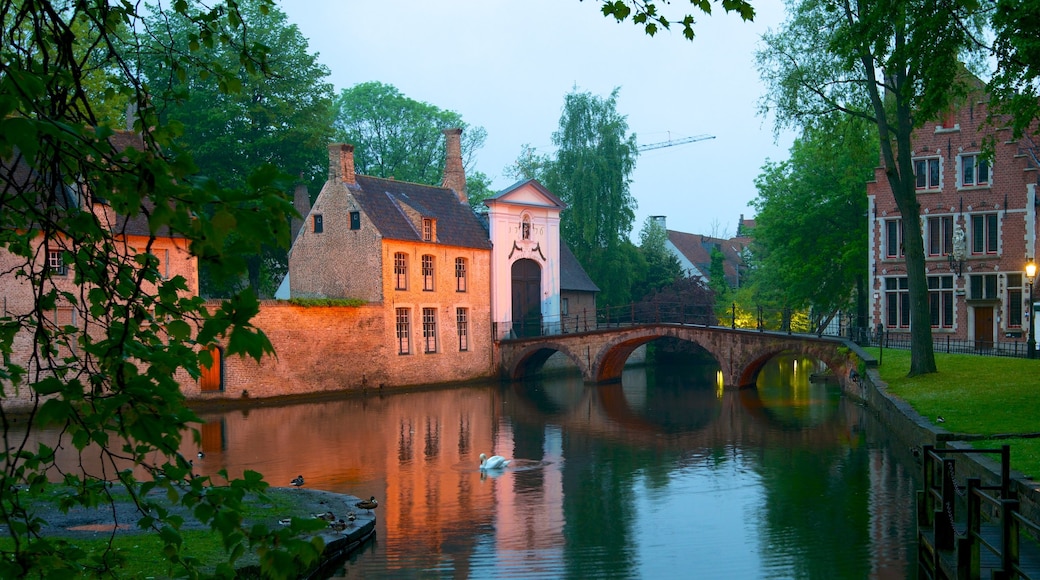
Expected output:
(327, 349)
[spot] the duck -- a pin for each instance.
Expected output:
(297, 481)
(285, 521)
(351, 517)
(940, 419)
(367, 504)
(338, 526)
(327, 516)
(493, 462)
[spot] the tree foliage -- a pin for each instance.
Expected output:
(895, 64)
(401, 138)
(810, 238)
(1015, 86)
(107, 378)
(662, 266)
(234, 119)
(590, 171)
(653, 19)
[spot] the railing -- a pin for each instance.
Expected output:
(966, 530)
(946, 344)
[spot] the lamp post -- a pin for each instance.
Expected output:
(1030, 277)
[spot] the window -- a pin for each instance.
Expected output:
(525, 228)
(940, 235)
(429, 329)
(460, 274)
(894, 238)
(400, 271)
(427, 273)
(927, 173)
(897, 302)
(564, 307)
(983, 287)
(940, 301)
(984, 233)
(427, 230)
(56, 262)
(318, 225)
(974, 170)
(1014, 300)
(404, 341)
(462, 325)
(355, 220)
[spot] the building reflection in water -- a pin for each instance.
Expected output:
(593, 462)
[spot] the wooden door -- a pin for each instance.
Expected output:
(527, 298)
(983, 327)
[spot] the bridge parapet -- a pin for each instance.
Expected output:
(601, 354)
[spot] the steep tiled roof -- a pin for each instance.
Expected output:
(572, 275)
(385, 202)
(697, 249)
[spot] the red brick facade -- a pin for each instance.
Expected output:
(979, 219)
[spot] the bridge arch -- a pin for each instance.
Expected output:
(601, 354)
(531, 358)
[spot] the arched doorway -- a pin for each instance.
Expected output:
(527, 298)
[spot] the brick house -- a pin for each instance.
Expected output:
(417, 250)
(978, 215)
(130, 237)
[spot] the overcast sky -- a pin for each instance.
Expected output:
(506, 65)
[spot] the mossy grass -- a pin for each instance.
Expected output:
(992, 397)
(136, 553)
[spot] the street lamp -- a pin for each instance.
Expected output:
(1030, 277)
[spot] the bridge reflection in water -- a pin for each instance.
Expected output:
(664, 474)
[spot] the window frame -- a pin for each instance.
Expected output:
(977, 162)
(427, 229)
(897, 302)
(988, 243)
(940, 235)
(400, 271)
(1016, 300)
(429, 272)
(941, 306)
(429, 327)
(462, 328)
(403, 330)
(56, 262)
(894, 228)
(318, 223)
(461, 280)
(983, 287)
(923, 180)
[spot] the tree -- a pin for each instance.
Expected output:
(107, 378)
(894, 64)
(662, 266)
(283, 118)
(401, 138)
(810, 235)
(590, 172)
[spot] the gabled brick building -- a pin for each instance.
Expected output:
(417, 250)
(694, 252)
(979, 218)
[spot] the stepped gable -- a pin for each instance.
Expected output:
(386, 202)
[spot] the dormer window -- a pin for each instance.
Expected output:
(427, 230)
(525, 228)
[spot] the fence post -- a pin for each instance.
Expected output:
(1009, 537)
(733, 319)
(968, 553)
(944, 523)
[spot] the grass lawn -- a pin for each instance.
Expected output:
(979, 395)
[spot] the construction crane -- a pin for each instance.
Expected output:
(672, 142)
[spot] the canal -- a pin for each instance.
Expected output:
(665, 475)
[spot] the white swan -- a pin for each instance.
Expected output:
(493, 462)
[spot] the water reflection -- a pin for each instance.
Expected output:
(661, 475)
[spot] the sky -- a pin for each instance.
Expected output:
(506, 65)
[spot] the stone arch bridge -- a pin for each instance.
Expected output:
(601, 354)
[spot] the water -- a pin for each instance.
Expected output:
(662, 476)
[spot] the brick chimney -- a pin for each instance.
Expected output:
(454, 173)
(341, 163)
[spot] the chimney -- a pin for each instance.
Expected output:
(341, 163)
(660, 220)
(302, 203)
(454, 173)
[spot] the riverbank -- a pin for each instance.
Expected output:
(986, 398)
